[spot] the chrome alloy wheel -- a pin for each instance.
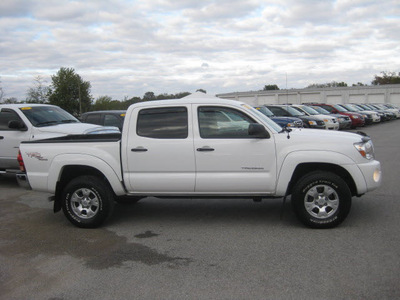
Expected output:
(321, 201)
(85, 203)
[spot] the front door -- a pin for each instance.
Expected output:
(10, 139)
(228, 159)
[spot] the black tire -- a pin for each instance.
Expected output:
(87, 201)
(321, 200)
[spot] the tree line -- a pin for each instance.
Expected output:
(69, 91)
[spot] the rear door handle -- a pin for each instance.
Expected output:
(205, 149)
(139, 149)
(1, 137)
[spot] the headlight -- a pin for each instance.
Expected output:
(312, 122)
(366, 149)
(290, 125)
(355, 117)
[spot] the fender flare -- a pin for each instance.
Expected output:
(292, 160)
(61, 161)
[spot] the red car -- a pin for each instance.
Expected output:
(357, 120)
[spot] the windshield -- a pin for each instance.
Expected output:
(340, 108)
(263, 117)
(294, 112)
(309, 110)
(41, 116)
(350, 107)
(265, 111)
(321, 110)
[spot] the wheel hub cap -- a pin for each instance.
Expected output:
(321, 201)
(85, 203)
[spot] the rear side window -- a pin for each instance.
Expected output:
(93, 119)
(163, 123)
(111, 120)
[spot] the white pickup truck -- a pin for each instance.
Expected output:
(205, 147)
(28, 122)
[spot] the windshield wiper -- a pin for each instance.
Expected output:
(69, 121)
(47, 123)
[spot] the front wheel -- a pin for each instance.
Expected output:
(321, 199)
(87, 201)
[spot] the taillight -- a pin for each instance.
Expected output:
(21, 162)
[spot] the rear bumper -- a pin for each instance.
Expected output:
(23, 181)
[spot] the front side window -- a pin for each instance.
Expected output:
(6, 116)
(222, 122)
(163, 123)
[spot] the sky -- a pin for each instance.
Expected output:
(126, 48)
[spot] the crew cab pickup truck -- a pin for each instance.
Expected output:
(28, 122)
(203, 147)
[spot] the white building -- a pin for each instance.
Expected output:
(353, 94)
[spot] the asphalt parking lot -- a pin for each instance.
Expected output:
(205, 249)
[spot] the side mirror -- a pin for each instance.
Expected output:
(258, 131)
(15, 124)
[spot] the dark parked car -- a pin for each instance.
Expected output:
(281, 121)
(105, 118)
(368, 116)
(288, 111)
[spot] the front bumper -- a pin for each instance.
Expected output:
(23, 181)
(372, 174)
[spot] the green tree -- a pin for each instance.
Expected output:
(387, 78)
(39, 93)
(201, 90)
(70, 92)
(149, 96)
(270, 87)
(102, 103)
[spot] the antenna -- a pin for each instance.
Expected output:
(287, 92)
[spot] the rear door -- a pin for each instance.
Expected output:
(159, 155)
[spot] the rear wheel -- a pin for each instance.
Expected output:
(87, 201)
(321, 199)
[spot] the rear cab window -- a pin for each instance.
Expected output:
(163, 123)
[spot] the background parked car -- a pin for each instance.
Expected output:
(344, 121)
(396, 112)
(281, 121)
(368, 116)
(105, 118)
(376, 117)
(385, 115)
(331, 123)
(357, 120)
(288, 111)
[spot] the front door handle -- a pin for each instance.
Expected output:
(1, 137)
(139, 149)
(205, 149)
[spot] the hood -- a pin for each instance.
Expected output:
(314, 139)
